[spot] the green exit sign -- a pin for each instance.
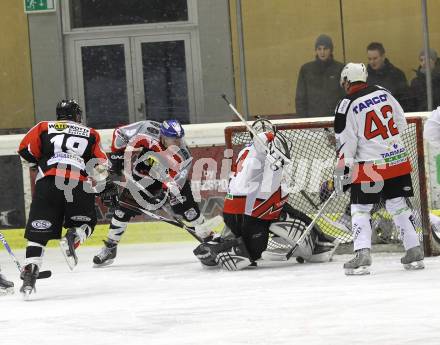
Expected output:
(38, 6)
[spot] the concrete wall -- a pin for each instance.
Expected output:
(216, 56)
(47, 63)
(16, 104)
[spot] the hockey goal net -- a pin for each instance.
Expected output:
(313, 161)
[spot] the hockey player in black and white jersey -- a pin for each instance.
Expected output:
(256, 198)
(158, 176)
(6, 286)
(372, 158)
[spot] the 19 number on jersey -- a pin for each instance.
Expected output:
(72, 145)
(382, 125)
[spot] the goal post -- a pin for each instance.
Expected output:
(313, 160)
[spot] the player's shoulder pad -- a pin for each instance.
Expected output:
(343, 105)
(341, 112)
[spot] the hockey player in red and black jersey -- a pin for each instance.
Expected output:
(64, 153)
(159, 175)
(373, 160)
(257, 194)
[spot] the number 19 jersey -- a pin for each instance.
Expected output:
(368, 124)
(61, 148)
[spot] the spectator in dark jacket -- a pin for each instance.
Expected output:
(383, 73)
(419, 97)
(318, 89)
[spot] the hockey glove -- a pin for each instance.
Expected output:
(117, 163)
(276, 162)
(327, 188)
(109, 196)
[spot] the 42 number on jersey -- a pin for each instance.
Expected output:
(375, 125)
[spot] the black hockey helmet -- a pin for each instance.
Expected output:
(69, 109)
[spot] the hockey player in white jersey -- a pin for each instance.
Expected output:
(372, 158)
(252, 207)
(431, 131)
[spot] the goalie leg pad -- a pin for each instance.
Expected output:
(235, 258)
(324, 251)
(291, 234)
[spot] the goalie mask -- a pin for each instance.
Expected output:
(263, 125)
(279, 142)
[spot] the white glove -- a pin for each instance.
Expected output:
(204, 227)
(276, 162)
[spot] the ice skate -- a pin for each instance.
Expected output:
(68, 244)
(413, 259)
(106, 255)
(6, 287)
(29, 276)
(359, 265)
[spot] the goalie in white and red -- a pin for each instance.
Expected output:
(373, 160)
(255, 199)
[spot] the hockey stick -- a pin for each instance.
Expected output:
(41, 275)
(333, 223)
(174, 221)
(255, 134)
(310, 226)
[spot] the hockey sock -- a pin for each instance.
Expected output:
(361, 225)
(83, 232)
(34, 254)
(404, 220)
(118, 225)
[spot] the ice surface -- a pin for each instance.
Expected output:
(159, 294)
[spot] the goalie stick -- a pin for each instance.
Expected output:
(336, 224)
(255, 134)
(310, 226)
(41, 275)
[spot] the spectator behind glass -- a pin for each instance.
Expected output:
(383, 73)
(318, 89)
(417, 89)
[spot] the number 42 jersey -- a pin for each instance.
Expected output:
(368, 124)
(62, 148)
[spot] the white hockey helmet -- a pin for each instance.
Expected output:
(353, 72)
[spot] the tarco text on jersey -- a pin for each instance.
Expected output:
(369, 103)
